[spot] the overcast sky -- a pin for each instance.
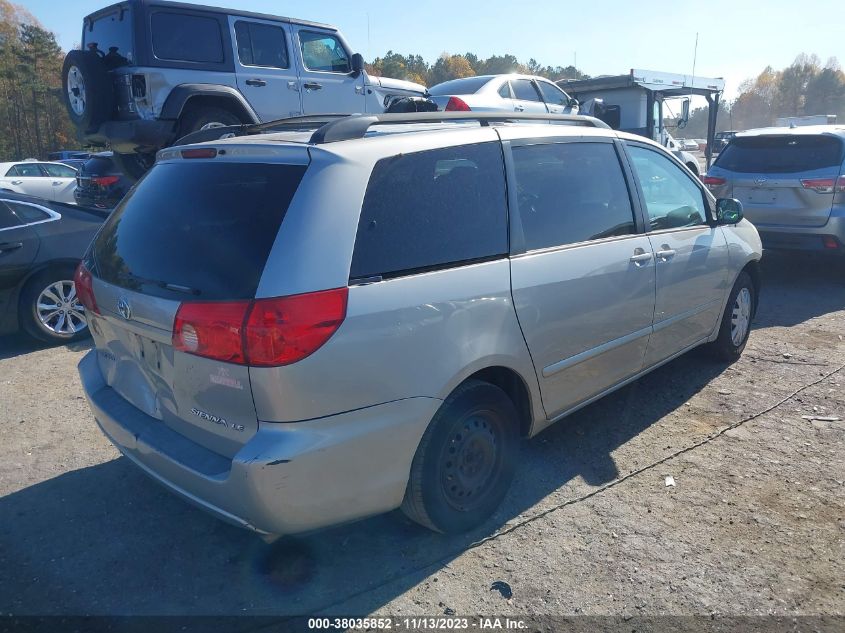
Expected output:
(737, 38)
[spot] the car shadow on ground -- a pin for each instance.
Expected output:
(105, 539)
(18, 344)
(798, 287)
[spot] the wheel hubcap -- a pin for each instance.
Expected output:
(741, 316)
(212, 125)
(468, 463)
(58, 309)
(76, 90)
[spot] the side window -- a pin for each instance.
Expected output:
(571, 192)
(185, 37)
(58, 171)
(323, 52)
(552, 94)
(30, 170)
(505, 91)
(27, 213)
(7, 218)
(261, 45)
(524, 90)
(13, 171)
(672, 199)
(430, 209)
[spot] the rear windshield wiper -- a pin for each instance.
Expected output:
(135, 282)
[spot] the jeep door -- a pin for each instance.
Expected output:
(691, 253)
(582, 271)
(325, 73)
(265, 68)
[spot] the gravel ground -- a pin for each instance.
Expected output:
(753, 525)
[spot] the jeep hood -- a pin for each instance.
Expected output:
(397, 86)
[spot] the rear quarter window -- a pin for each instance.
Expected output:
(780, 154)
(112, 33)
(186, 37)
(432, 209)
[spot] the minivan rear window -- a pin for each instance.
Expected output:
(432, 209)
(196, 229)
(780, 154)
(112, 33)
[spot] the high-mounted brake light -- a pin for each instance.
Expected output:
(825, 185)
(262, 332)
(199, 152)
(105, 181)
(456, 104)
(83, 281)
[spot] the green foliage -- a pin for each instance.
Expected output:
(33, 120)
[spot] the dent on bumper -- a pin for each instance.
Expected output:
(288, 477)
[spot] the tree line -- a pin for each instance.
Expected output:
(33, 119)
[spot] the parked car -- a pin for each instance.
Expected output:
(50, 181)
(336, 324)
(721, 140)
(688, 144)
(791, 183)
(74, 163)
(67, 154)
(152, 71)
(101, 183)
(502, 93)
(41, 243)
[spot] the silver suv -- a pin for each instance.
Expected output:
(300, 328)
(791, 183)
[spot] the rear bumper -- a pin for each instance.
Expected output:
(807, 238)
(136, 135)
(288, 477)
(95, 200)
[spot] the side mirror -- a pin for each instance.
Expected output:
(357, 64)
(728, 211)
(572, 102)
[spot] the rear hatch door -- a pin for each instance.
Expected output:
(772, 176)
(190, 231)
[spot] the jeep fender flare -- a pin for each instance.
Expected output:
(179, 97)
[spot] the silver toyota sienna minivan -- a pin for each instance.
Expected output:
(302, 327)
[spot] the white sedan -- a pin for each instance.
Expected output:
(502, 93)
(51, 181)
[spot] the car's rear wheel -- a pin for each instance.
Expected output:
(50, 309)
(735, 326)
(464, 464)
(205, 118)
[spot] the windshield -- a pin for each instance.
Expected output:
(467, 86)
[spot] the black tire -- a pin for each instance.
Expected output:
(134, 165)
(95, 90)
(465, 462)
(28, 310)
(693, 168)
(196, 118)
(724, 348)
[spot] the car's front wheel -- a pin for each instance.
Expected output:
(50, 309)
(736, 320)
(464, 464)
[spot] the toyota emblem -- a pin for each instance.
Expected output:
(124, 308)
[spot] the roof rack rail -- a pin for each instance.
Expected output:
(356, 125)
(308, 122)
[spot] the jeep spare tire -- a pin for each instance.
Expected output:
(87, 90)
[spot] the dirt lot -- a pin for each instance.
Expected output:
(754, 524)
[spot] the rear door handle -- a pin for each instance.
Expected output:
(665, 254)
(256, 82)
(8, 247)
(56, 183)
(519, 108)
(312, 86)
(640, 257)
(17, 182)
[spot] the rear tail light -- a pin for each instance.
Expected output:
(456, 104)
(713, 181)
(83, 281)
(262, 332)
(825, 185)
(830, 242)
(105, 181)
